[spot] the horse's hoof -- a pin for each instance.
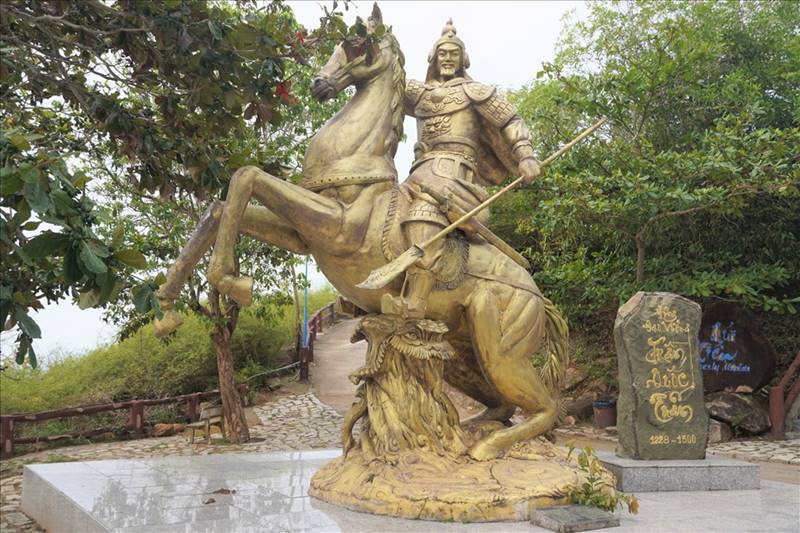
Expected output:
(168, 323)
(240, 289)
(483, 451)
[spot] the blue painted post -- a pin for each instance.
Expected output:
(305, 309)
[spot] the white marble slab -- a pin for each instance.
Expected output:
(175, 494)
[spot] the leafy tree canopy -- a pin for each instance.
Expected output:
(163, 97)
(693, 185)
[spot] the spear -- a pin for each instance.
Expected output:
(381, 276)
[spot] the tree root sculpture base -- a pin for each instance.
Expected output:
(421, 485)
(412, 457)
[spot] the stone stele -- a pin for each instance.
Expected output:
(660, 412)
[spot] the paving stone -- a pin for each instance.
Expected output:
(569, 518)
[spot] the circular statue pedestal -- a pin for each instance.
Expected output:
(421, 485)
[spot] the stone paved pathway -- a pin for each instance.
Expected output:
(334, 360)
(293, 422)
(756, 450)
(781, 451)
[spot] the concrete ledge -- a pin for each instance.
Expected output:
(50, 506)
(711, 473)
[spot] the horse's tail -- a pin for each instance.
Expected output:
(554, 370)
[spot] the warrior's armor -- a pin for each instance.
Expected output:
(469, 136)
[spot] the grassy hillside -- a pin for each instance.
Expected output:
(143, 366)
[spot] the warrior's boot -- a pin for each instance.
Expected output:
(423, 221)
(417, 288)
(419, 284)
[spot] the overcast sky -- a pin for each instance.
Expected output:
(507, 43)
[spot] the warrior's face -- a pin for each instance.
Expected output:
(449, 61)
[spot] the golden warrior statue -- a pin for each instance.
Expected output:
(468, 136)
(476, 329)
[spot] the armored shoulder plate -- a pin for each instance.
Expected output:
(496, 110)
(478, 92)
(414, 90)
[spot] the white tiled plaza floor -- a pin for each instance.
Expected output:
(268, 492)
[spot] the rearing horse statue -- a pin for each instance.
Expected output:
(347, 216)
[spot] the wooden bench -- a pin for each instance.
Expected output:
(209, 416)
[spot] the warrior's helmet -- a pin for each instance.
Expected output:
(448, 37)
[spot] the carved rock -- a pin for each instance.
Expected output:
(733, 352)
(741, 411)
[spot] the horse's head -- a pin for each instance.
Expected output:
(357, 59)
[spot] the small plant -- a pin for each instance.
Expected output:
(58, 458)
(594, 491)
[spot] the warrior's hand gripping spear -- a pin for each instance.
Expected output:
(380, 277)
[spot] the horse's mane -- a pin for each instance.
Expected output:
(399, 81)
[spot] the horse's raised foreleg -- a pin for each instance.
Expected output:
(311, 215)
(257, 222)
(504, 338)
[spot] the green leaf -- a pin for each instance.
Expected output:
(29, 173)
(214, 29)
(19, 141)
(99, 249)
(118, 236)
(160, 278)
(27, 324)
(24, 345)
(71, 269)
(90, 261)
(46, 244)
(63, 202)
(80, 180)
(5, 310)
(155, 306)
(11, 184)
(141, 297)
(106, 282)
(37, 197)
(132, 258)
(32, 357)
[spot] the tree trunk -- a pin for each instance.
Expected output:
(232, 404)
(401, 393)
(640, 254)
